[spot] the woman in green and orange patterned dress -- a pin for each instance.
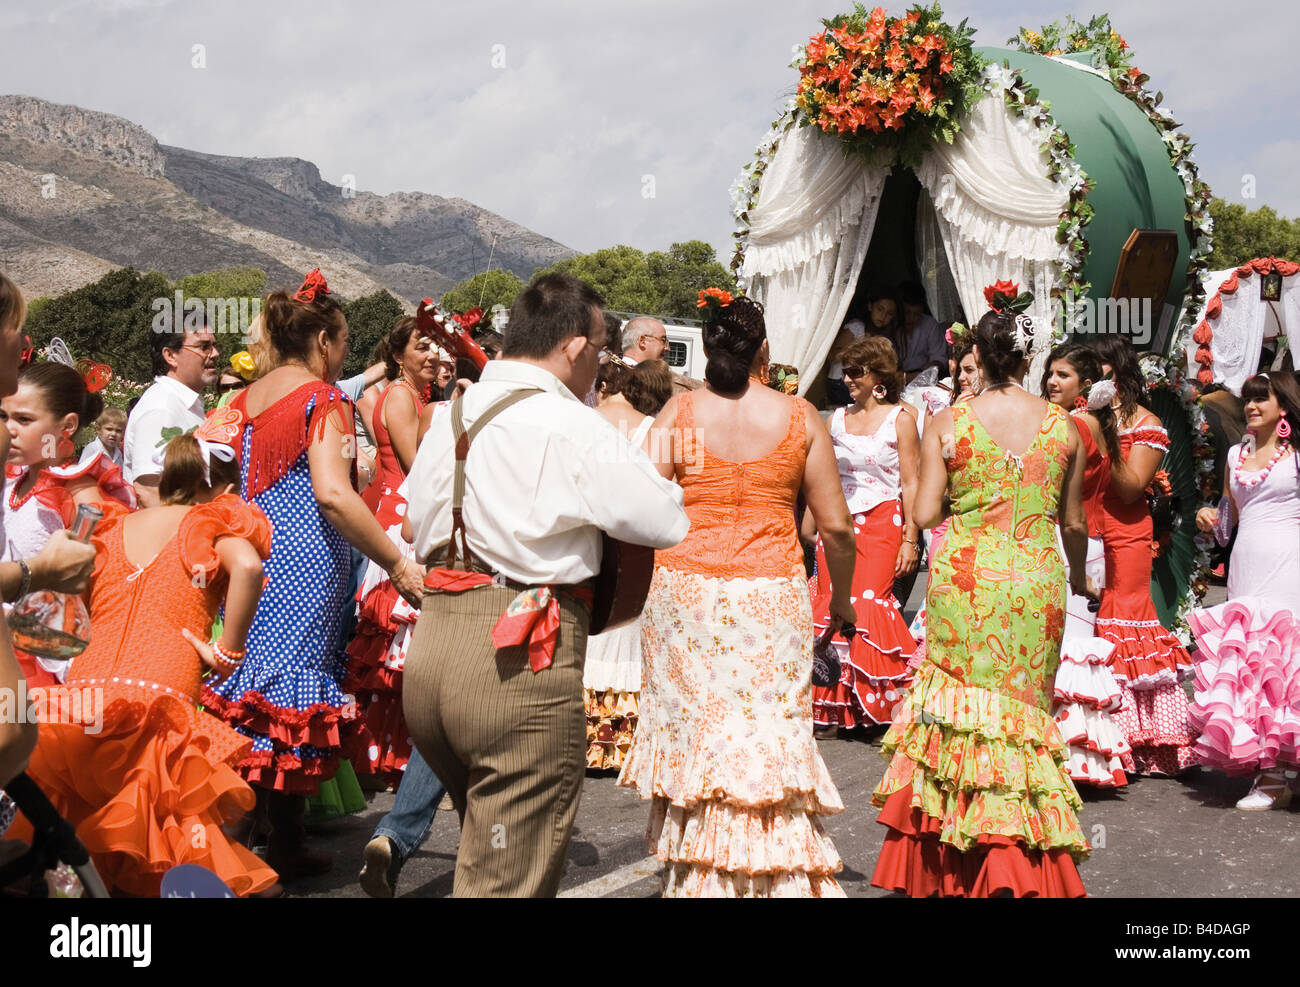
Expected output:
(977, 797)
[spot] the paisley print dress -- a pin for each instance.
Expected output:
(977, 797)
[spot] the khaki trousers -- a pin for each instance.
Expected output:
(508, 744)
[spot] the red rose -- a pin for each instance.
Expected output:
(1005, 288)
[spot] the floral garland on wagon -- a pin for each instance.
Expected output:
(1113, 57)
(1167, 375)
(1204, 333)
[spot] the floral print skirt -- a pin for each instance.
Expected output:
(724, 745)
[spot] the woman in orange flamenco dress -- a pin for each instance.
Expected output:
(977, 796)
(147, 778)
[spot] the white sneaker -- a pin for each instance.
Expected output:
(1268, 792)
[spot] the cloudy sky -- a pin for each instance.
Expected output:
(562, 115)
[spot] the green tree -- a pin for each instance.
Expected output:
(1241, 235)
(216, 289)
(682, 273)
(618, 273)
(494, 287)
(666, 284)
(228, 282)
(370, 319)
(109, 320)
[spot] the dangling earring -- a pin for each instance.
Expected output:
(1283, 427)
(878, 392)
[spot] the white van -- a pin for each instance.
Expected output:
(685, 352)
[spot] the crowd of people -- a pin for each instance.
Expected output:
(391, 578)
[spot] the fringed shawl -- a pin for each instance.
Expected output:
(283, 431)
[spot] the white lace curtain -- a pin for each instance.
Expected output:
(809, 233)
(994, 210)
(995, 207)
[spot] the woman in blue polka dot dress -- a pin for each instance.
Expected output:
(298, 453)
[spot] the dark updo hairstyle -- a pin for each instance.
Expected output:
(1087, 365)
(392, 346)
(648, 387)
(63, 391)
(731, 341)
(182, 480)
(876, 355)
(999, 358)
(1116, 350)
(293, 325)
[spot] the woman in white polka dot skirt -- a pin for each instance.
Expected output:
(877, 450)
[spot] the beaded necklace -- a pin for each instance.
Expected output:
(1260, 475)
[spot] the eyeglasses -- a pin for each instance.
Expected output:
(657, 339)
(853, 371)
(207, 349)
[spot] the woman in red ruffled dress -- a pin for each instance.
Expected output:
(878, 455)
(1087, 693)
(41, 495)
(385, 620)
(1148, 661)
(144, 776)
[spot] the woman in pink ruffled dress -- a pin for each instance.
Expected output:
(1247, 702)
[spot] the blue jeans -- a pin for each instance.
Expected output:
(408, 822)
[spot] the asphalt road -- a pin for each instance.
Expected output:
(1159, 838)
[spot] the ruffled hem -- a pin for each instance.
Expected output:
(755, 772)
(1086, 767)
(1146, 656)
(1084, 675)
(145, 795)
(381, 744)
(915, 860)
(285, 771)
(874, 670)
(317, 725)
(613, 662)
(773, 840)
(1247, 700)
(689, 881)
(983, 765)
(611, 727)
(1090, 729)
(1155, 723)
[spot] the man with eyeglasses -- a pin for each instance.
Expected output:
(185, 364)
(644, 338)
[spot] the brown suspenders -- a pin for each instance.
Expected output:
(463, 438)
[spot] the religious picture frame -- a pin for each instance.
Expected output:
(1270, 287)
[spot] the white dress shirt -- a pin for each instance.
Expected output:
(94, 448)
(167, 403)
(543, 479)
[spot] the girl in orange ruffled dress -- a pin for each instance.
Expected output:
(41, 494)
(145, 777)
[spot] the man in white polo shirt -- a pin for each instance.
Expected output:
(186, 364)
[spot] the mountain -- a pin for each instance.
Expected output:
(83, 192)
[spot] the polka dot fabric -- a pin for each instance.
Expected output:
(286, 694)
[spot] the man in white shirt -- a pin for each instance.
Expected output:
(186, 364)
(644, 338)
(504, 728)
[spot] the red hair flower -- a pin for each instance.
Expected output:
(723, 298)
(312, 284)
(1005, 288)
